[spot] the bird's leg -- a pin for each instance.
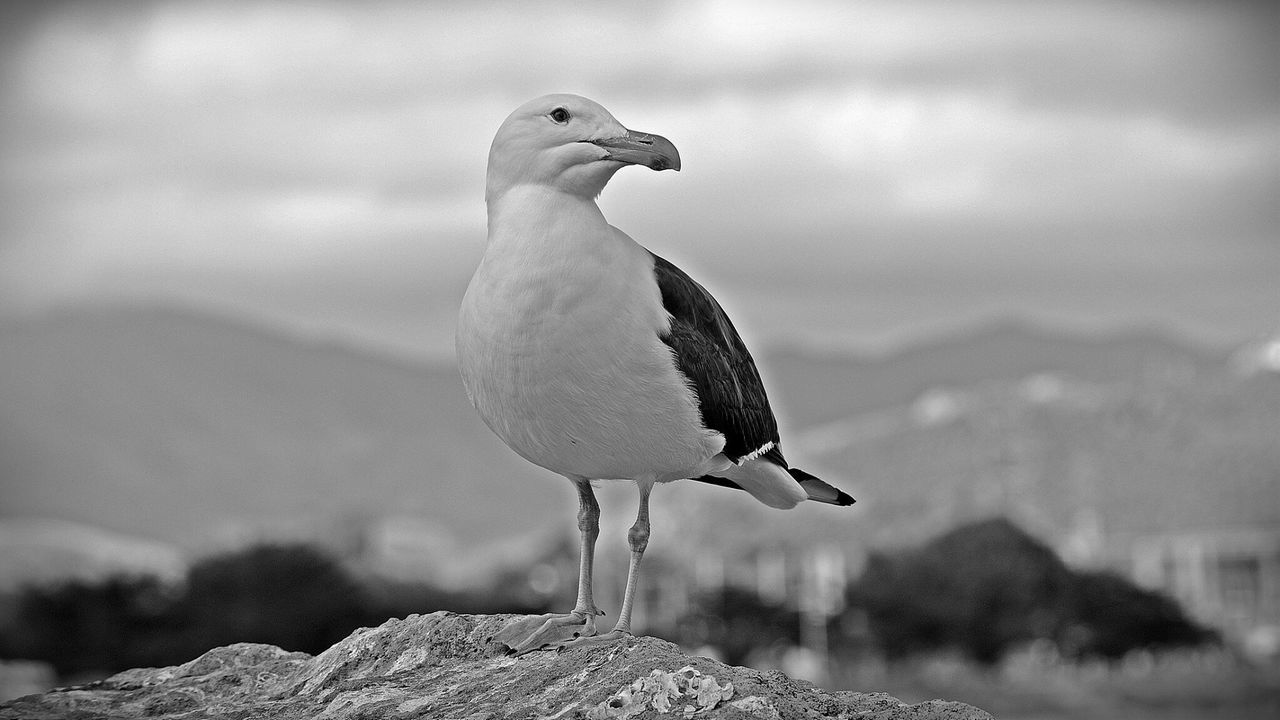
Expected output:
(637, 540)
(589, 529)
(553, 630)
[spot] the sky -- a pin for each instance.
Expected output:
(855, 175)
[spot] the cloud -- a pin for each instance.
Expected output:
(197, 148)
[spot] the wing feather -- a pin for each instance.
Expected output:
(716, 363)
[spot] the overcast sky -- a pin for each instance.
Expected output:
(855, 174)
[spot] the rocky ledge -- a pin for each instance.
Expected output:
(443, 666)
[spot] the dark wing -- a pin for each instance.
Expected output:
(714, 360)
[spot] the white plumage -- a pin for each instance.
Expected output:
(559, 345)
(592, 357)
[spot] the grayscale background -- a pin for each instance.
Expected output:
(1015, 260)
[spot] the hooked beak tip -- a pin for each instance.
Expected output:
(638, 148)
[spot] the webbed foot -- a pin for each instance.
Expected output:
(551, 631)
(612, 636)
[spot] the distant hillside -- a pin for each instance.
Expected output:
(197, 430)
(818, 388)
(1075, 460)
(34, 551)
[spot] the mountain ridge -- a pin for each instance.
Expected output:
(202, 430)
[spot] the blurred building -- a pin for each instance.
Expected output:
(1227, 578)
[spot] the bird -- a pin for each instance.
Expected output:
(596, 359)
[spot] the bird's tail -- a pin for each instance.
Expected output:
(780, 487)
(819, 490)
(767, 482)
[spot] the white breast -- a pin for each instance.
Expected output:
(559, 347)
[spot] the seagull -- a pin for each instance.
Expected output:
(596, 359)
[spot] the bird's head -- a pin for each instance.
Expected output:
(569, 143)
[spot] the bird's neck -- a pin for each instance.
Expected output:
(541, 218)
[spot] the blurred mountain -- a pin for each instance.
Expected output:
(206, 432)
(35, 552)
(1173, 448)
(816, 388)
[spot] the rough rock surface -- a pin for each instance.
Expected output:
(442, 666)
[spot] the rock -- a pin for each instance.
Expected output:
(442, 666)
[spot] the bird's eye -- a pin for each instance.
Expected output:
(559, 116)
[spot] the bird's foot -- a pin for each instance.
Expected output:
(612, 636)
(546, 632)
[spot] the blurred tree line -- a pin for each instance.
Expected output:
(982, 590)
(986, 588)
(293, 596)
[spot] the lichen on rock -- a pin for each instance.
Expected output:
(686, 691)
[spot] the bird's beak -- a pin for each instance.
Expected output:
(637, 148)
